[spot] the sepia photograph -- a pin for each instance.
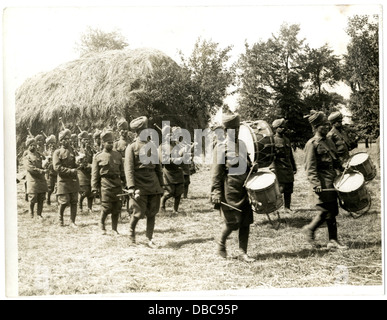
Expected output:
(193, 150)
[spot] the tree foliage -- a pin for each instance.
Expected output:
(96, 40)
(362, 72)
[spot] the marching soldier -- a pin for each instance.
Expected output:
(51, 175)
(121, 144)
(35, 177)
(321, 163)
(284, 164)
(107, 175)
(68, 184)
(85, 159)
(173, 174)
(228, 193)
(40, 143)
(144, 180)
(340, 137)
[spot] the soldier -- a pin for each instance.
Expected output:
(340, 137)
(51, 175)
(40, 143)
(121, 144)
(107, 175)
(74, 142)
(228, 193)
(284, 164)
(321, 163)
(144, 180)
(97, 141)
(35, 176)
(68, 183)
(173, 174)
(85, 159)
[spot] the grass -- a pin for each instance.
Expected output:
(65, 261)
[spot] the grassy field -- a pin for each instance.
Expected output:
(55, 260)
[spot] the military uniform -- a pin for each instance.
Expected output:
(68, 183)
(84, 176)
(51, 175)
(36, 181)
(321, 162)
(107, 175)
(146, 178)
(284, 163)
(227, 187)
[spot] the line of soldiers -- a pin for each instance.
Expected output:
(325, 154)
(108, 169)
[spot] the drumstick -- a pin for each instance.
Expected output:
(226, 204)
(248, 176)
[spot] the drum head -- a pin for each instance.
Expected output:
(349, 182)
(246, 134)
(358, 158)
(261, 180)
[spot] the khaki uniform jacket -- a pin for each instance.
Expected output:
(84, 173)
(321, 162)
(342, 142)
(107, 173)
(172, 173)
(229, 187)
(284, 163)
(35, 175)
(50, 167)
(64, 161)
(148, 178)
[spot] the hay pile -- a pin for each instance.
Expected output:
(89, 91)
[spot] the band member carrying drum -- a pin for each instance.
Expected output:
(228, 193)
(321, 160)
(284, 164)
(340, 137)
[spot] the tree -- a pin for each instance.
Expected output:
(96, 40)
(210, 74)
(362, 73)
(271, 80)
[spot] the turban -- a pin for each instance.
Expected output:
(30, 140)
(139, 123)
(51, 139)
(317, 119)
(83, 135)
(74, 136)
(122, 125)
(231, 120)
(97, 134)
(107, 136)
(278, 122)
(66, 133)
(39, 138)
(335, 117)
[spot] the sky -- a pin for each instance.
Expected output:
(40, 38)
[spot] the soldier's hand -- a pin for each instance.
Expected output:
(215, 199)
(131, 192)
(318, 189)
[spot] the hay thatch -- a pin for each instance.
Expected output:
(89, 91)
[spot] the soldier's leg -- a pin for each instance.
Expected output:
(176, 203)
(116, 209)
(153, 208)
(230, 225)
(32, 200)
(63, 201)
(90, 203)
(179, 190)
(132, 228)
(139, 208)
(82, 196)
(73, 207)
(287, 199)
(105, 210)
(244, 232)
(41, 198)
(318, 220)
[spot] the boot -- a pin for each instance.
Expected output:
(244, 233)
(309, 230)
(61, 210)
(132, 228)
(31, 210)
(332, 234)
(176, 204)
(40, 210)
(102, 222)
(115, 222)
(73, 214)
(226, 231)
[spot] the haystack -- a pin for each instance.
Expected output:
(91, 91)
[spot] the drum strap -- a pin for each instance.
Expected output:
(328, 149)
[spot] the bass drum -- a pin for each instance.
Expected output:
(263, 191)
(362, 162)
(259, 139)
(352, 193)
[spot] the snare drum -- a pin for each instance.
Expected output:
(352, 192)
(259, 140)
(263, 191)
(362, 162)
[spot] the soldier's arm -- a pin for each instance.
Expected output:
(129, 167)
(95, 176)
(122, 170)
(217, 174)
(30, 166)
(57, 165)
(311, 165)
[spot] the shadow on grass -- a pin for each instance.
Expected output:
(294, 222)
(304, 253)
(363, 244)
(179, 244)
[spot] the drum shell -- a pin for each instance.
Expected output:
(353, 201)
(263, 140)
(367, 168)
(270, 198)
